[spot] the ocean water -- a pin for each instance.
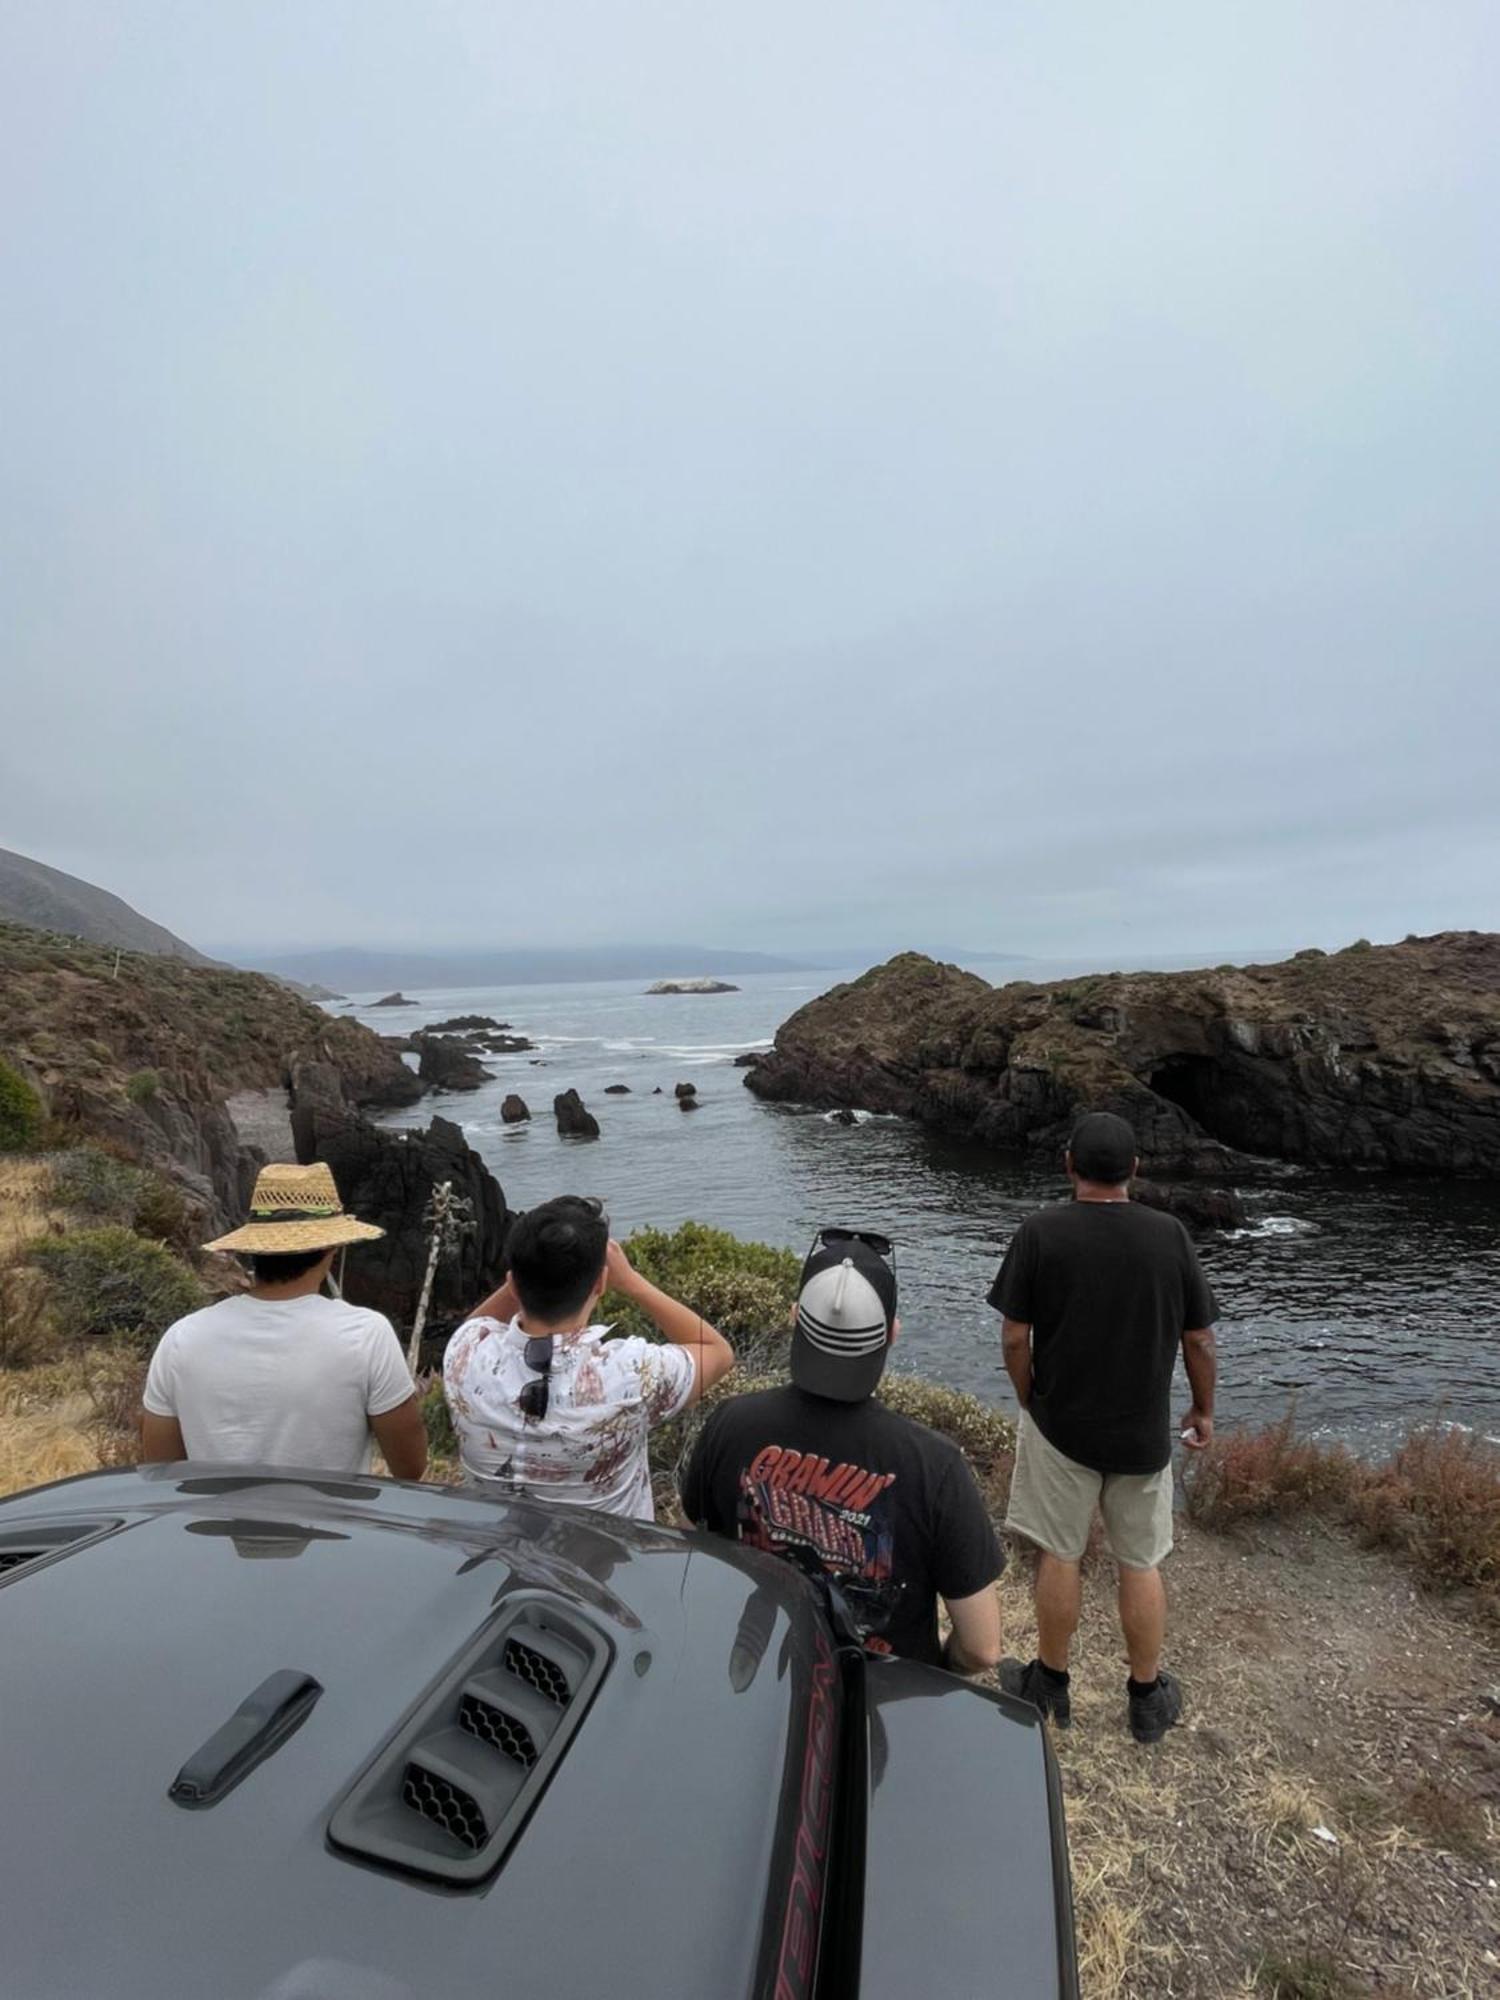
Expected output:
(1373, 1303)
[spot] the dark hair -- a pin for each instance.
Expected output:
(1103, 1148)
(556, 1252)
(284, 1266)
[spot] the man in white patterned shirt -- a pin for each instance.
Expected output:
(542, 1402)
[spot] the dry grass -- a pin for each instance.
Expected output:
(1436, 1500)
(28, 1208)
(1325, 1821)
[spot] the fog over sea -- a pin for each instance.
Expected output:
(1374, 1302)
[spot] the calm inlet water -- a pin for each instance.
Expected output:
(1373, 1302)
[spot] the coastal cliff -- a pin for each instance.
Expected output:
(1376, 1057)
(143, 1051)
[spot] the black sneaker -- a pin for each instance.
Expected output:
(1030, 1683)
(1152, 1715)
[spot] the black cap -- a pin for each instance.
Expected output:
(1103, 1148)
(846, 1308)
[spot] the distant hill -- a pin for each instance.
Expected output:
(350, 970)
(45, 899)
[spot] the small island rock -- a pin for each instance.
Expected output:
(394, 1000)
(574, 1119)
(514, 1110)
(692, 986)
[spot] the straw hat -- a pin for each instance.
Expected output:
(296, 1208)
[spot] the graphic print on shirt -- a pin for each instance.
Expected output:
(793, 1503)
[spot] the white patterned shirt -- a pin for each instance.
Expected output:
(606, 1397)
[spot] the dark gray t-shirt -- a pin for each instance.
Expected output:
(1108, 1289)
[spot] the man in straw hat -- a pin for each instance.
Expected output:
(280, 1375)
(824, 1474)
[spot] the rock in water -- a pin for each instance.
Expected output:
(445, 1065)
(842, 1115)
(617, 1090)
(574, 1119)
(689, 1104)
(387, 1178)
(1384, 1056)
(1200, 1204)
(461, 1023)
(751, 1059)
(514, 1111)
(394, 1000)
(685, 1090)
(692, 986)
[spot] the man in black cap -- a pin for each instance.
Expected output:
(1097, 1295)
(822, 1473)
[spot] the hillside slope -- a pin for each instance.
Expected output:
(46, 899)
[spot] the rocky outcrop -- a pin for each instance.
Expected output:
(463, 1023)
(1199, 1204)
(574, 1119)
(617, 1090)
(388, 1178)
(1383, 1057)
(690, 1103)
(692, 986)
(514, 1110)
(683, 1091)
(393, 1000)
(445, 1064)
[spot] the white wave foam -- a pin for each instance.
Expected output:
(1276, 1225)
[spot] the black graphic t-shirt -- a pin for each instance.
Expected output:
(1108, 1289)
(880, 1502)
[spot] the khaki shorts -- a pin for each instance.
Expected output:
(1052, 1502)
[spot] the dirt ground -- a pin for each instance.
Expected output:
(1324, 1822)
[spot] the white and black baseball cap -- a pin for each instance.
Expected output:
(845, 1311)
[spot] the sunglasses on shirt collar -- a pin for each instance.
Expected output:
(535, 1397)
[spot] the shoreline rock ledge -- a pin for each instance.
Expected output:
(1383, 1057)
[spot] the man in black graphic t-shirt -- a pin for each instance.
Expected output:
(823, 1474)
(1097, 1295)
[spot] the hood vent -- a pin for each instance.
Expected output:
(447, 1795)
(36, 1541)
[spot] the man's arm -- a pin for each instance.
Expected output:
(712, 1354)
(402, 1437)
(1015, 1343)
(161, 1440)
(1200, 1358)
(975, 1643)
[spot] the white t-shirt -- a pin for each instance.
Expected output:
(590, 1448)
(279, 1381)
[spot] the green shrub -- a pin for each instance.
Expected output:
(92, 1183)
(111, 1281)
(20, 1112)
(983, 1433)
(746, 1290)
(88, 1181)
(143, 1086)
(442, 1440)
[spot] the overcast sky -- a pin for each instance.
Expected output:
(979, 475)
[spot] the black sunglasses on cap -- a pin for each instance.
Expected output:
(830, 1239)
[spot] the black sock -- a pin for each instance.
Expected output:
(1139, 1688)
(1052, 1677)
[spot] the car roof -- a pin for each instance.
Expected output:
(152, 1602)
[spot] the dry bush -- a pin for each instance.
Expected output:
(1437, 1499)
(111, 1281)
(116, 1378)
(1249, 1475)
(27, 1335)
